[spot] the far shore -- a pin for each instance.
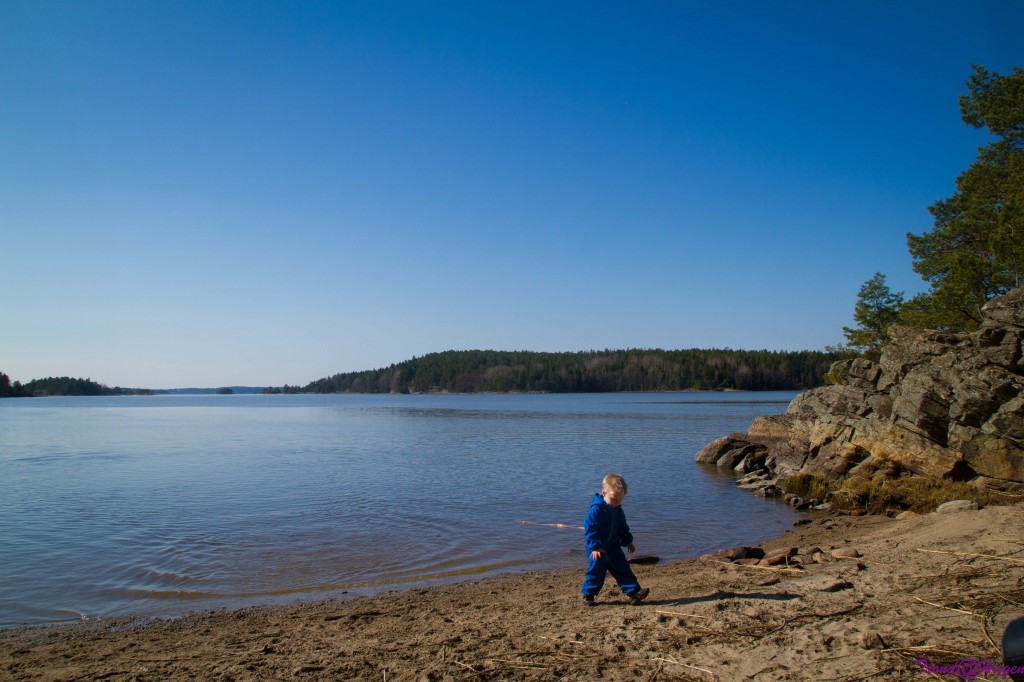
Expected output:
(926, 590)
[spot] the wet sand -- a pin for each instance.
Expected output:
(935, 587)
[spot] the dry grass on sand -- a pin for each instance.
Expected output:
(936, 587)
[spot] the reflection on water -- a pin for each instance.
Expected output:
(160, 504)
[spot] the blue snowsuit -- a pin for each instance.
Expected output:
(605, 528)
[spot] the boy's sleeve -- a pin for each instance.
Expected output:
(592, 530)
(625, 537)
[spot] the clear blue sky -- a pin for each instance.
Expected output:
(219, 193)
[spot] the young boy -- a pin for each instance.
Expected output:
(606, 533)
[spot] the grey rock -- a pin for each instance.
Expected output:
(935, 404)
(744, 553)
(870, 639)
(954, 506)
(713, 451)
(845, 553)
(754, 481)
(784, 552)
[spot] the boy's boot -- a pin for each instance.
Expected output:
(639, 596)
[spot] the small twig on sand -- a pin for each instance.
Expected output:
(862, 677)
(110, 674)
(984, 628)
(972, 554)
(691, 667)
(820, 616)
(466, 666)
(689, 615)
(1009, 601)
(575, 657)
(969, 613)
(913, 651)
(518, 664)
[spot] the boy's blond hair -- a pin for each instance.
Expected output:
(615, 483)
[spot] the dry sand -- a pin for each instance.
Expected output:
(940, 587)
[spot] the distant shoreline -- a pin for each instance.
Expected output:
(250, 390)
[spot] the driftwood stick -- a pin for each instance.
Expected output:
(759, 568)
(1008, 494)
(913, 651)
(972, 554)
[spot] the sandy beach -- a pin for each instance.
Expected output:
(933, 587)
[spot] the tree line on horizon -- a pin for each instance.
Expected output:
(488, 371)
(61, 386)
(975, 249)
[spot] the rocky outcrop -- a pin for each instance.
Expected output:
(936, 404)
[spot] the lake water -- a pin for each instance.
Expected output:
(158, 505)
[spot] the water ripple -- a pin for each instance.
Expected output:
(153, 506)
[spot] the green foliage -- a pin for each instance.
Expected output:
(914, 493)
(588, 372)
(876, 310)
(7, 389)
(833, 377)
(881, 494)
(994, 102)
(975, 250)
(925, 312)
(810, 486)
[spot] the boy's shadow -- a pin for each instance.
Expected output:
(714, 596)
(720, 595)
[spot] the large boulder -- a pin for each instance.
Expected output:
(935, 403)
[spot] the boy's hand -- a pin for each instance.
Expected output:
(596, 554)
(630, 549)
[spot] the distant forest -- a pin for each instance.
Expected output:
(478, 371)
(487, 371)
(60, 386)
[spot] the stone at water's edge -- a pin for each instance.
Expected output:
(935, 404)
(954, 506)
